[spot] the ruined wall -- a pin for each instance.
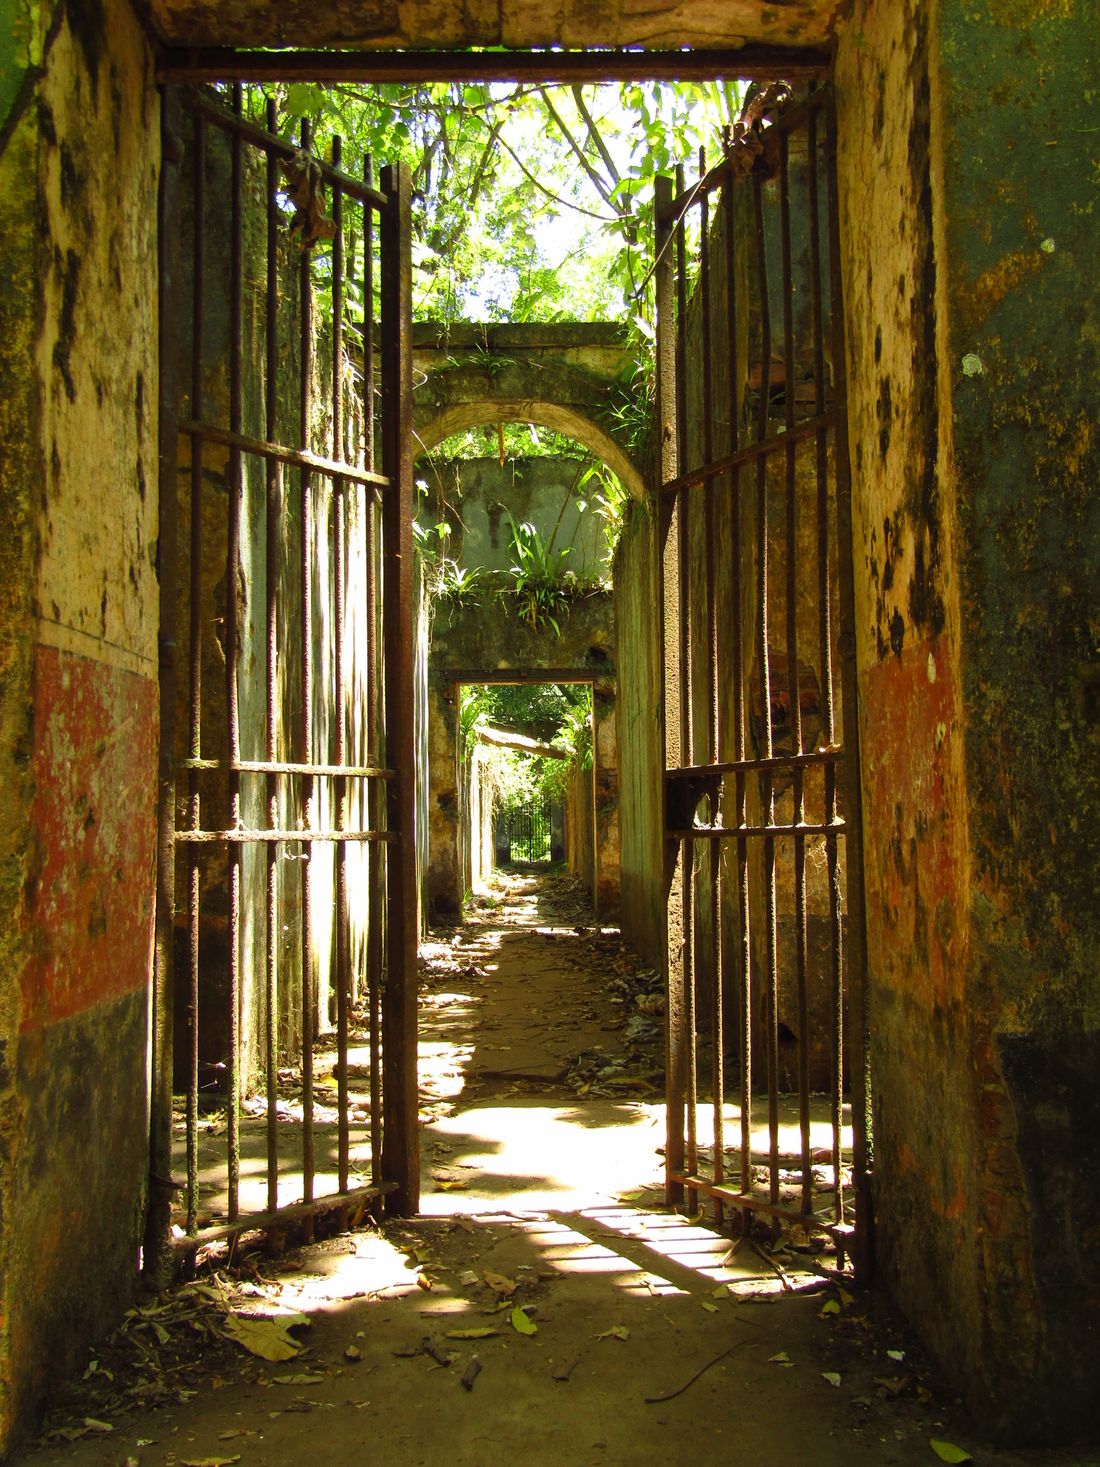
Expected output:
(641, 753)
(405, 23)
(1023, 297)
(78, 689)
(474, 497)
(968, 197)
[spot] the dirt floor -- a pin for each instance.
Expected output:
(544, 1308)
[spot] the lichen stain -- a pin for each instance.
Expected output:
(1020, 14)
(991, 287)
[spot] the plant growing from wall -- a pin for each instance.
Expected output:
(540, 590)
(445, 579)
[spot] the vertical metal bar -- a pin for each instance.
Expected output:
(687, 741)
(155, 1253)
(232, 643)
(707, 487)
(400, 1139)
(824, 603)
(687, 703)
(793, 570)
(821, 446)
(858, 1020)
(274, 490)
(339, 530)
(744, 932)
(768, 791)
(305, 732)
(710, 621)
(669, 417)
(194, 652)
(376, 891)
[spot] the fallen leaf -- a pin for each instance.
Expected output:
(301, 1377)
(424, 1282)
(832, 1376)
(499, 1283)
(208, 1461)
(267, 1338)
(893, 1386)
(948, 1452)
(564, 1370)
(103, 1427)
(779, 1358)
(479, 1332)
(709, 1307)
(831, 1306)
(353, 1353)
(522, 1324)
(457, 1184)
(616, 1332)
(896, 1354)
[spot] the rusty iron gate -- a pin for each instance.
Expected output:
(284, 1046)
(762, 797)
(527, 828)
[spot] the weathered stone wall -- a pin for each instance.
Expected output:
(638, 714)
(474, 497)
(78, 681)
(968, 195)
(576, 378)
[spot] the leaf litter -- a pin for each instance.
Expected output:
(168, 1348)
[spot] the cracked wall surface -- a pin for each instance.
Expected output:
(399, 23)
(968, 195)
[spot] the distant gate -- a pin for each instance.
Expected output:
(286, 936)
(762, 812)
(527, 830)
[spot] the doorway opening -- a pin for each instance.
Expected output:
(528, 781)
(499, 385)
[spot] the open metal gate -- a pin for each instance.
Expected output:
(762, 796)
(284, 1045)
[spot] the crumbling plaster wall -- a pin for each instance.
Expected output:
(641, 749)
(968, 199)
(400, 23)
(78, 680)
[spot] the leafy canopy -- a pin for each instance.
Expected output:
(531, 203)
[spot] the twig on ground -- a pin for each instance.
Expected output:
(679, 1391)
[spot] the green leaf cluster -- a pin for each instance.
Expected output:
(531, 203)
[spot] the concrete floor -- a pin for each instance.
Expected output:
(535, 1199)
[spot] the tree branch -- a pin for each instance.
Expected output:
(594, 133)
(597, 182)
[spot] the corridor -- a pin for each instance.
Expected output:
(544, 1307)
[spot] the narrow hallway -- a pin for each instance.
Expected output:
(544, 1306)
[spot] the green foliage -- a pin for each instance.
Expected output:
(531, 203)
(445, 579)
(609, 499)
(540, 593)
(560, 714)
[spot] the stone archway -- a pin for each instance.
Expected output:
(574, 378)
